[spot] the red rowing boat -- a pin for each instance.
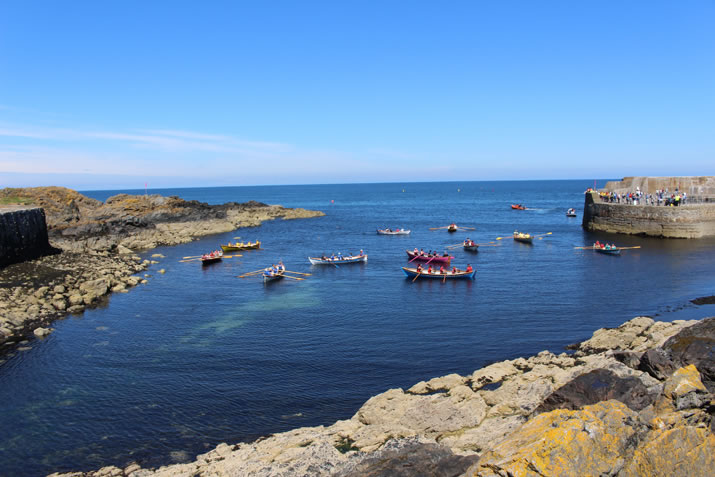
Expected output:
(442, 259)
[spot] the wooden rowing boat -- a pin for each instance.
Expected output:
(608, 251)
(272, 275)
(471, 247)
(393, 232)
(452, 228)
(412, 273)
(524, 238)
(210, 258)
(426, 258)
(238, 246)
(337, 261)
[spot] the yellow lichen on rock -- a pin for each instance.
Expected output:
(590, 441)
(684, 380)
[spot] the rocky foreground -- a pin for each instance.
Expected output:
(96, 244)
(631, 401)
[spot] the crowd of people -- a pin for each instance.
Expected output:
(660, 197)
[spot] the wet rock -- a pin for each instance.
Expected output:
(695, 345)
(42, 332)
(657, 363)
(96, 287)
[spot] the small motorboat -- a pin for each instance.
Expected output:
(213, 257)
(337, 259)
(393, 232)
(240, 246)
(449, 275)
(571, 213)
(441, 259)
(518, 207)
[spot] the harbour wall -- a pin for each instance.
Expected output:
(695, 186)
(23, 235)
(685, 221)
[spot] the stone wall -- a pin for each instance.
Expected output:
(694, 186)
(23, 235)
(686, 221)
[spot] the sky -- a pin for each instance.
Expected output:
(119, 94)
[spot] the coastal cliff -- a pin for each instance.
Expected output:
(685, 221)
(98, 243)
(636, 400)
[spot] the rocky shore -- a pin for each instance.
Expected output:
(96, 244)
(631, 401)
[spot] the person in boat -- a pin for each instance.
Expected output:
(445, 254)
(429, 269)
(597, 244)
(454, 270)
(469, 268)
(419, 268)
(332, 257)
(340, 255)
(281, 267)
(323, 257)
(442, 271)
(422, 252)
(361, 253)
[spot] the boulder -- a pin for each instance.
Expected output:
(42, 332)
(96, 287)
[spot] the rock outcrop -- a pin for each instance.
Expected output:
(545, 415)
(98, 243)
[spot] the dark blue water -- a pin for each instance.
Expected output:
(197, 356)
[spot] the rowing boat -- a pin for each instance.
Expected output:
(393, 232)
(272, 275)
(471, 247)
(608, 251)
(571, 213)
(238, 246)
(210, 258)
(518, 207)
(413, 273)
(524, 238)
(427, 258)
(337, 261)
(452, 228)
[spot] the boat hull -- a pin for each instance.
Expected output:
(518, 207)
(524, 239)
(425, 259)
(209, 261)
(412, 273)
(471, 248)
(613, 251)
(320, 261)
(267, 278)
(452, 229)
(231, 248)
(393, 232)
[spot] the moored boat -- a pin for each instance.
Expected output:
(393, 232)
(460, 274)
(417, 257)
(571, 213)
(239, 246)
(337, 260)
(524, 238)
(212, 257)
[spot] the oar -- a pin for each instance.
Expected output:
(294, 278)
(444, 280)
(437, 228)
(299, 273)
(455, 245)
(627, 248)
(192, 256)
(467, 228)
(252, 273)
(191, 260)
(540, 235)
(416, 277)
(416, 257)
(499, 238)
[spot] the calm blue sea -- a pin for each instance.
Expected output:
(198, 356)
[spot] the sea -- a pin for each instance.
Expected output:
(198, 356)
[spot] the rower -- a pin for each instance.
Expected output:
(469, 268)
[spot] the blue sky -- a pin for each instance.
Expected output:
(116, 94)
